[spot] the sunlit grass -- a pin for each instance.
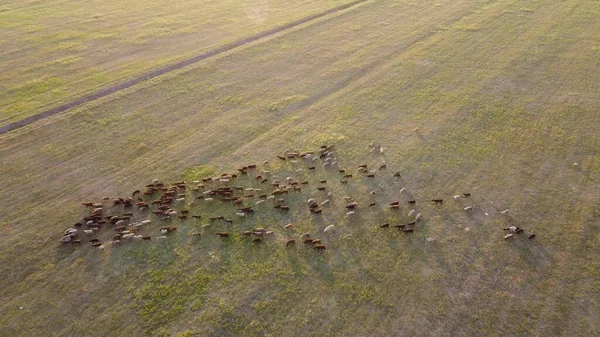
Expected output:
(505, 101)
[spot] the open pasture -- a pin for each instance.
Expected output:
(55, 51)
(505, 95)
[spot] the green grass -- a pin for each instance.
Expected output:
(61, 50)
(505, 98)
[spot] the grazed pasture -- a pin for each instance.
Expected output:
(55, 51)
(505, 95)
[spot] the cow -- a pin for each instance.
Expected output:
(352, 205)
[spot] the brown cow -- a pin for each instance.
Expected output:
(247, 210)
(223, 234)
(319, 247)
(290, 243)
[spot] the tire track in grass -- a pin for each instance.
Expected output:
(368, 71)
(173, 67)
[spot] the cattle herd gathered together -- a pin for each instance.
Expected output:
(245, 192)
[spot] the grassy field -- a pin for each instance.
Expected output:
(55, 51)
(506, 95)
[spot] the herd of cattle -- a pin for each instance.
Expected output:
(168, 203)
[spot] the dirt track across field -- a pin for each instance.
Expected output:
(169, 68)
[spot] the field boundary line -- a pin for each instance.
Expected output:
(173, 67)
